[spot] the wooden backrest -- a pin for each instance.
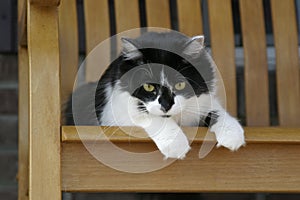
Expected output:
(189, 14)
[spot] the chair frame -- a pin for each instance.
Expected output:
(49, 153)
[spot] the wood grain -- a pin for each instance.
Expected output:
(44, 103)
(23, 146)
(68, 47)
(45, 2)
(23, 170)
(255, 168)
(195, 134)
(97, 29)
(222, 40)
(128, 18)
(96, 17)
(269, 163)
(158, 13)
(22, 23)
(256, 68)
(287, 61)
(190, 17)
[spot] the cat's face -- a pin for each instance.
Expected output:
(161, 80)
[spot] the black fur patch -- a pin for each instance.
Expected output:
(211, 118)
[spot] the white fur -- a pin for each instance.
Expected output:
(228, 131)
(168, 137)
(164, 80)
(129, 50)
(195, 45)
(121, 110)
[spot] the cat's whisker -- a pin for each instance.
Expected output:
(114, 106)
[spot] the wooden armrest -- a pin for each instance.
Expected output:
(269, 163)
(118, 134)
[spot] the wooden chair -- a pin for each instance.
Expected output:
(51, 157)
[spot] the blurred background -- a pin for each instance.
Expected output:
(9, 99)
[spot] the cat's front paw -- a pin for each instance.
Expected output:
(232, 139)
(229, 134)
(175, 150)
(175, 147)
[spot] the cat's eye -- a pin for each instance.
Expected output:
(148, 87)
(180, 86)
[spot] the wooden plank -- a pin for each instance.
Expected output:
(23, 169)
(23, 149)
(22, 23)
(96, 23)
(287, 61)
(97, 29)
(256, 69)
(222, 40)
(68, 46)
(128, 18)
(117, 134)
(158, 13)
(44, 103)
(190, 17)
(255, 168)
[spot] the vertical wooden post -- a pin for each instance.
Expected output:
(44, 103)
(23, 124)
(23, 182)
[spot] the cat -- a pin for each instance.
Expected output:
(159, 82)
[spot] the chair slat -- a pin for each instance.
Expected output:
(127, 19)
(190, 17)
(96, 22)
(158, 13)
(127, 15)
(287, 63)
(97, 29)
(68, 45)
(222, 44)
(256, 69)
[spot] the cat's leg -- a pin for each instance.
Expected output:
(229, 133)
(168, 136)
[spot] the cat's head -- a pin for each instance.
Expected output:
(165, 70)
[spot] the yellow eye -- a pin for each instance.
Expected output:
(148, 87)
(180, 86)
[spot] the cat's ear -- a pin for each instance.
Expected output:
(130, 50)
(194, 46)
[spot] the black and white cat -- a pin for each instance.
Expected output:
(161, 81)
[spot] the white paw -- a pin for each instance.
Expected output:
(177, 149)
(230, 134)
(174, 147)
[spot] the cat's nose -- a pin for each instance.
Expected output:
(166, 99)
(166, 105)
